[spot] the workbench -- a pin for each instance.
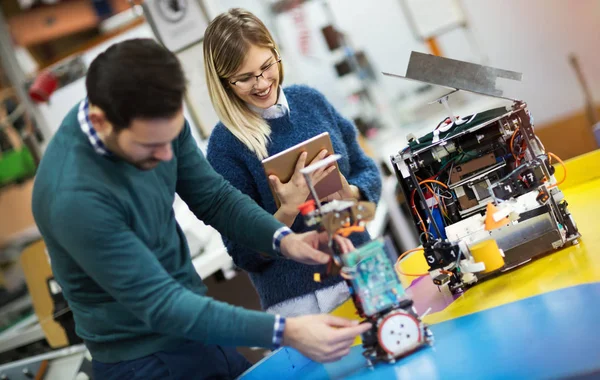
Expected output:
(539, 320)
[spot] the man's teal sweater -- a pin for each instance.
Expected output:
(121, 258)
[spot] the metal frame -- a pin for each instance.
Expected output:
(17, 77)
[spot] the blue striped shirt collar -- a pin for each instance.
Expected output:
(88, 129)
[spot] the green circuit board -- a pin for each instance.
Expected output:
(373, 277)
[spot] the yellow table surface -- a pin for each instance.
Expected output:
(570, 266)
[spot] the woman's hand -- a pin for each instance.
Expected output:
(295, 192)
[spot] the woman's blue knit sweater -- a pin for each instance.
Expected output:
(310, 114)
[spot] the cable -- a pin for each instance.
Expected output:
(444, 167)
(412, 205)
(404, 255)
(421, 236)
(550, 155)
(512, 140)
(412, 199)
(433, 181)
(436, 199)
(522, 146)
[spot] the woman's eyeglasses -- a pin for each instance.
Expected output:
(246, 83)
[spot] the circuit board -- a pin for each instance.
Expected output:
(373, 277)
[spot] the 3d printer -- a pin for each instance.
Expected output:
(478, 179)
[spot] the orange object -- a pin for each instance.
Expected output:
(347, 231)
(42, 371)
(307, 207)
(550, 155)
(403, 255)
(433, 46)
(490, 223)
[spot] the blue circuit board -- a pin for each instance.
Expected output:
(373, 277)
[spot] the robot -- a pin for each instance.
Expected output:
(480, 178)
(374, 285)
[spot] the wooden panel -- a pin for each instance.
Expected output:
(80, 48)
(36, 267)
(568, 137)
(47, 23)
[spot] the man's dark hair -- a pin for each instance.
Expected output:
(136, 78)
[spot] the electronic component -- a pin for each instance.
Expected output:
(373, 277)
(442, 279)
(400, 333)
(374, 285)
(477, 178)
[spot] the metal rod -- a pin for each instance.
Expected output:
(424, 201)
(312, 189)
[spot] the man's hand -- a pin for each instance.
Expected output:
(322, 338)
(312, 247)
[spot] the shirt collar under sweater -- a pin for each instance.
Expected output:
(277, 110)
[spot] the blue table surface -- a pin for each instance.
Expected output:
(553, 335)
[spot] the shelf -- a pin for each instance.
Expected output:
(23, 333)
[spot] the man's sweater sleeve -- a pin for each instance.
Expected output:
(363, 170)
(238, 175)
(93, 229)
(216, 202)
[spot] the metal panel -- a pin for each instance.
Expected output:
(456, 74)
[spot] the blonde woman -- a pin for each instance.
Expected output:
(259, 118)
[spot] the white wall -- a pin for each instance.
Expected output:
(533, 37)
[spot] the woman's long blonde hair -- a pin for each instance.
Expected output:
(226, 43)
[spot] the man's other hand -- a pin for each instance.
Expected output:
(322, 338)
(312, 247)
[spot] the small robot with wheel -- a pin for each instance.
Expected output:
(374, 285)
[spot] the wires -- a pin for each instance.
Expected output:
(434, 194)
(424, 233)
(412, 205)
(437, 200)
(433, 181)
(403, 255)
(520, 143)
(550, 156)
(512, 141)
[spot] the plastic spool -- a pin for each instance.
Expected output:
(487, 252)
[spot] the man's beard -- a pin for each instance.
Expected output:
(111, 144)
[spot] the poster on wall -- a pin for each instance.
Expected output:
(177, 24)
